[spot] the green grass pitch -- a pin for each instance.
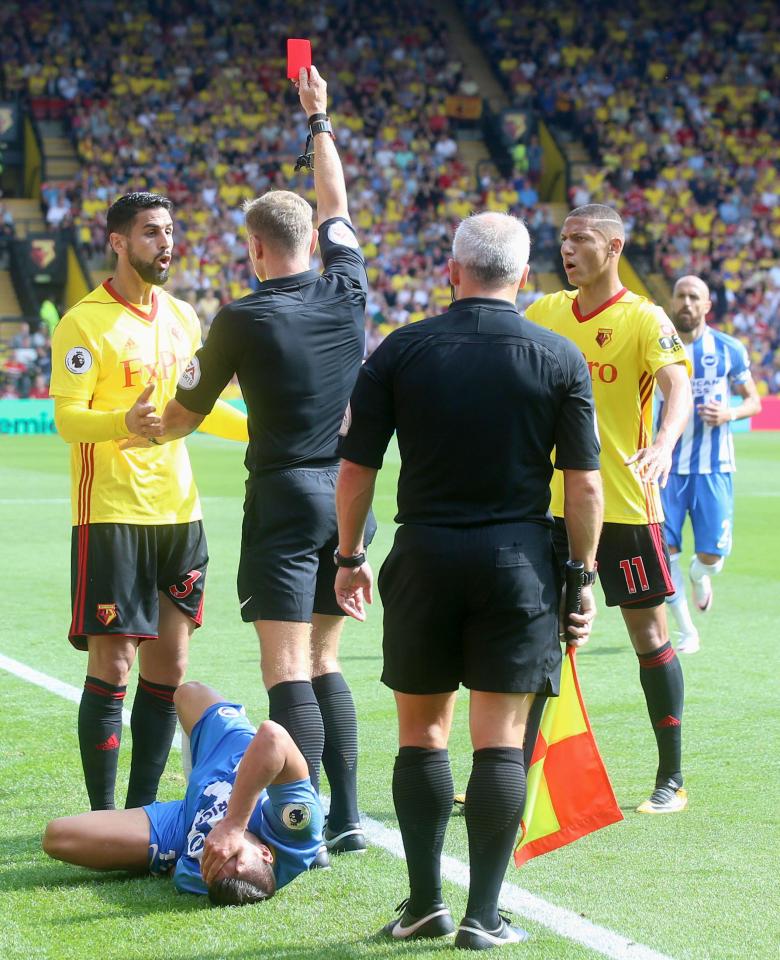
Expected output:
(702, 884)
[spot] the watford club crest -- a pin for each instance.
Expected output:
(106, 613)
(42, 252)
(603, 336)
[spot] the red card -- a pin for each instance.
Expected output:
(298, 55)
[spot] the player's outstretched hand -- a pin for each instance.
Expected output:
(354, 588)
(577, 631)
(140, 418)
(652, 463)
(224, 842)
(312, 90)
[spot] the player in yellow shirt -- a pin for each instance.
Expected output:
(630, 345)
(138, 552)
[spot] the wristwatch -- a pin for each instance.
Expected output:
(355, 561)
(320, 123)
(589, 576)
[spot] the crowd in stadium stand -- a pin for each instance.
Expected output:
(190, 99)
(679, 111)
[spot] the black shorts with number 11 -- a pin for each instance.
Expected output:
(633, 563)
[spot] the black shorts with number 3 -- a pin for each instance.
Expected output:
(633, 562)
(117, 570)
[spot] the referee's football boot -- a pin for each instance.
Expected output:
(701, 589)
(436, 922)
(349, 840)
(472, 935)
(667, 798)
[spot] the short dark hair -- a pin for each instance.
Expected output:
(122, 212)
(257, 885)
(600, 212)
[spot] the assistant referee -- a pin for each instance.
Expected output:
(478, 397)
(296, 345)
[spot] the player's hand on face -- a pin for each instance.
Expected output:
(312, 90)
(576, 631)
(354, 588)
(224, 842)
(652, 463)
(141, 419)
(714, 413)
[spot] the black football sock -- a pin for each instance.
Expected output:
(495, 798)
(152, 724)
(532, 728)
(339, 757)
(422, 793)
(661, 677)
(100, 734)
(292, 704)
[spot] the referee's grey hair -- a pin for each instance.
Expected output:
(493, 247)
(280, 218)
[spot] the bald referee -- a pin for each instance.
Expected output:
(478, 397)
(296, 345)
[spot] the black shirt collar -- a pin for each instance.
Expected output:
(294, 280)
(466, 303)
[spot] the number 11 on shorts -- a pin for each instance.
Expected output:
(639, 567)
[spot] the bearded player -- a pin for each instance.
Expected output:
(138, 551)
(630, 346)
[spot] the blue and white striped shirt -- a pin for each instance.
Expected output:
(719, 362)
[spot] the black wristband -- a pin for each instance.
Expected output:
(350, 562)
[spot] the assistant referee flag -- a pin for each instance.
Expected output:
(569, 793)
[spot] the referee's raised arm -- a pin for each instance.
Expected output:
(329, 185)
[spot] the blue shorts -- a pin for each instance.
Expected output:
(709, 499)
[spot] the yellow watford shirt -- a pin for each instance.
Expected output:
(105, 351)
(624, 343)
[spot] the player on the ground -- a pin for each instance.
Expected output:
(296, 345)
(700, 481)
(249, 822)
(138, 551)
(629, 345)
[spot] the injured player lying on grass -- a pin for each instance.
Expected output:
(249, 822)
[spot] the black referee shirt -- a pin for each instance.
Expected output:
(296, 345)
(479, 397)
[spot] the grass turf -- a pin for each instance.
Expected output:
(696, 885)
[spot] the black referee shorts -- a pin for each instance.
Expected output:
(286, 571)
(474, 605)
(117, 570)
(633, 559)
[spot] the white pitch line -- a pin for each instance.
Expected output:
(565, 923)
(62, 689)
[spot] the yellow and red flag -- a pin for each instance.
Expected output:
(569, 794)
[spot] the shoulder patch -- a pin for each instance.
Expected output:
(342, 234)
(296, 816)
(190, 376)
(78, 360)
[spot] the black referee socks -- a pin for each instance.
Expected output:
(422, 793)
(495, 798)
(100, 734)
(292, 705)
(339, 756)
(152, 724)
(661, 677)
